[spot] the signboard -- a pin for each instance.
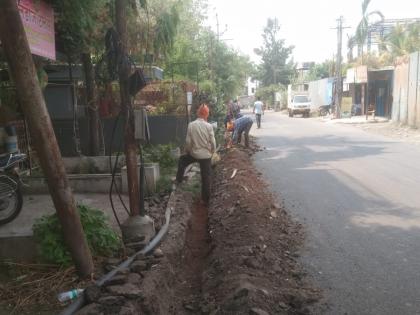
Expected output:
(350, 77)
(346, 103)
(189, 98)
(361, 74)
(38, 21)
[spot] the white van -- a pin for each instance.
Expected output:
(300, 104)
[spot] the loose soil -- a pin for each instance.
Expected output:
(236, 256)
(239, 256)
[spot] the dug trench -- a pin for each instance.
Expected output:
(238, 256)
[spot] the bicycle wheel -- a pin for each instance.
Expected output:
(10, 202)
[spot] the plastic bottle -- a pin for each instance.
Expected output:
(69, 295)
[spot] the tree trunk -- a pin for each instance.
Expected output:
(130, 142)
(92, 104)
(19, 58)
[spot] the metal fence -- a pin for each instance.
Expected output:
(406, 95)
(163, 130)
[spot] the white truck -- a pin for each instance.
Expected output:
(299, 104)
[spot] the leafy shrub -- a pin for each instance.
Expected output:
(102, 240)
(160, 154)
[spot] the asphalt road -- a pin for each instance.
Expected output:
(358, 196)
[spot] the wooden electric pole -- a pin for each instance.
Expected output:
(124, 73)
(16, 48)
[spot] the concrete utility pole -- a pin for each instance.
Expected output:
(22, 69)
(130, 142)
(338, 75)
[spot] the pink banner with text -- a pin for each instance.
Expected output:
(38, 21)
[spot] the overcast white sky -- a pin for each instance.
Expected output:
(306, 24)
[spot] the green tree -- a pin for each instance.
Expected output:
(277, 66)
(81, 25)
(403, 39)
(320, 70)
(363, 26)
(222, 71)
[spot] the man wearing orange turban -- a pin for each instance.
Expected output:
(200, 145)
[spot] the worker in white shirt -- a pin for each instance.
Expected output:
(258, 111)
(200, 145)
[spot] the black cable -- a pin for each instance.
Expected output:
(114, 169)
(113, 172)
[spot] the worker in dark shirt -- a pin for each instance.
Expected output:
(242, 125)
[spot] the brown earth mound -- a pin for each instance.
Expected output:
(238, 256)
(252, 268)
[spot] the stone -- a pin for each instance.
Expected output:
(137, 246)
(252, 263)
(92, 293)
(189, 307)
(283, 305)
(137, 227)
(113, 300)
(138, 266)
(129, 290)
(128, 309)
(123, 271)
(257, 311)
(91, 309)
(118, 279)
(113, 261)
(276, 205)
(134, 278)
(273, 214)
(158, 253)
(136, 239)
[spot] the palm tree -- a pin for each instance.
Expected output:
(403, 39)
(350, 45)
(363, 26)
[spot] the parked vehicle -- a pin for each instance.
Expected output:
(300, 104)
(11, 200)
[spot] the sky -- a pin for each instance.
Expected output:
(306, 24)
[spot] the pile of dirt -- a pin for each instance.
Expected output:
(252, 267)
(237, 256)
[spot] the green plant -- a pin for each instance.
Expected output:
(160, 154)
(164, 184)
(193, 186)
(102, 240)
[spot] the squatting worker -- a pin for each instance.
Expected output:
(200, 145)
(242, 125)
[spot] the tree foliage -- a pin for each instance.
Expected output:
(363, 26)
(321, 70)
(403, 39)
(197, 51)
(80, 24)
(277, 66)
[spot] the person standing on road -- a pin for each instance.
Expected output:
(200, 145)
(233, 111)
(242, 125)
(258, 111)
